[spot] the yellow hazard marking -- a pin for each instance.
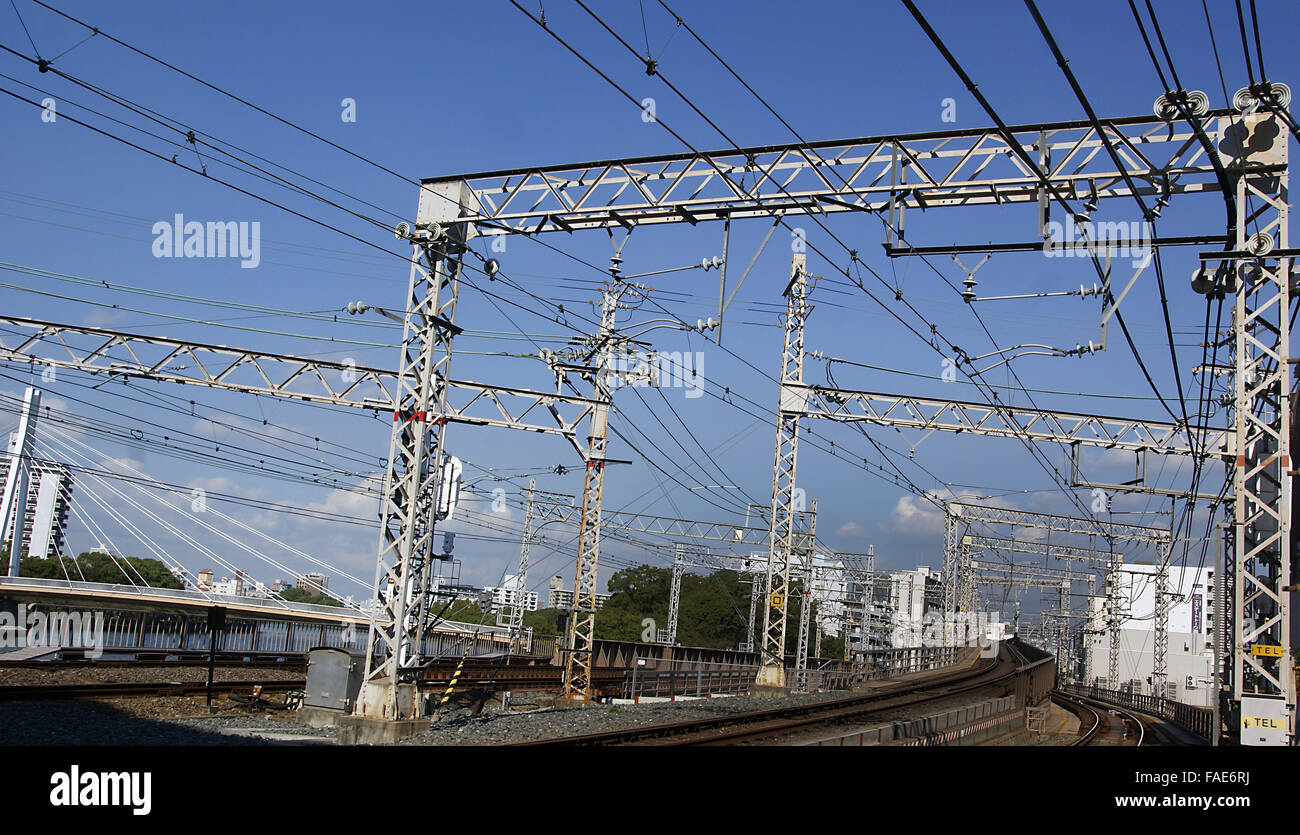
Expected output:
(778, 600)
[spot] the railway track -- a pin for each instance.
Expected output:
(140, 689)
(289, 663)
(784, 721)
(1108, 725)
(542, 677)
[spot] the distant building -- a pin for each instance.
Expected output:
(911, 595)
(49, 494)
(237, 587)
(512, 593)
(313, 582)
(1192, 633)
(562, 598)
(204, 580)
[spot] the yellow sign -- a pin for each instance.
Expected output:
(1262, 722)
(778, 600)
(1267, 650)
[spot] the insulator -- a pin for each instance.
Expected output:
(1164, 108)
(1260, 243)
(1201, 281)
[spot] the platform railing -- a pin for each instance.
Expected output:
(1193, 719)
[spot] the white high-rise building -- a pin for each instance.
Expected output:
(512, 593)
(911, 595)
(1189, 660)
(44, 509)
(49, 493)
(559, 597)
(830, 589)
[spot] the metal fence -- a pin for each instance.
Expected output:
(133, 631)
(649, 677)
(680, 679)
(1196, 720)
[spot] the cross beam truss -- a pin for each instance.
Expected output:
(903, 411)
(127, 355)
(882, 173)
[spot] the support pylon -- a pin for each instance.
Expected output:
(402, 577)
(782, 535)
(1263, 684)
(582, 622)
(513, 616)
(1160, 648)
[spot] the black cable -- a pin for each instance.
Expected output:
(1052, 470)
(96, 30)
(1245, 48)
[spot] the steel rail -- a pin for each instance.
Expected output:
(774, 721)
(1092, 707)
(24, 692)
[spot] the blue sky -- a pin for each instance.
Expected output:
(456, 88)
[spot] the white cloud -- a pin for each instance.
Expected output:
(913, 516)
(852, 530)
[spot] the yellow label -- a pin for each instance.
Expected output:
(1267, 650)
(778, 600)
(1262, 722)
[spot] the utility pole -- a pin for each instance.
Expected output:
(675, 595)
(1065, 653)
(582, 621)
(512, 615)
(951, 557)
(1259, 269)
(808, 553)
(1113, 617)
(755, 592)
(398, 620)
(1160, 649)
(782, 536)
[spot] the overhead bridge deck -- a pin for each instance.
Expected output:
(145, 622)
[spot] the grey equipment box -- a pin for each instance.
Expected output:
(333, 679)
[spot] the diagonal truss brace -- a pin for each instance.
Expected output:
(127, 355)
(877, 174)
(959, 416)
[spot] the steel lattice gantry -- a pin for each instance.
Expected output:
(872, 174)
(958, 168)
(904, 411)
(559, 507)
(1093, 558)
(1262, 670)
(1112, 532)
(118, 354)
(882, 173)
(420, 396)
(781, 541)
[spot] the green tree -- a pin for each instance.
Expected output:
(98, 567)
(465, 611)
(636, 593)
(297, 595)
(547, 621)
